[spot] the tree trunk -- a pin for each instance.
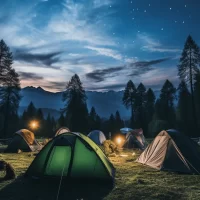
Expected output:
(192, 95)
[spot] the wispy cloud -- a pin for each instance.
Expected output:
(30, 76)
(153, 45)
(106, 52)
(47, 59)
(134, 69)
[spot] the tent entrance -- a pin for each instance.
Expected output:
(59, 161)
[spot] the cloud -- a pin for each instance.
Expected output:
(106, 52)
(101, 75)
(153, 45)
(58, 86)
(30, 76)
(44, 59)
(130, 69)
(107, 87)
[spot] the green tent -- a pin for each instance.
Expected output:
(72, 156)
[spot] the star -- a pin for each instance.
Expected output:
(110, 6)
(185, 6)
(149, 4)
(113, 33)
(170, 8)
(145, 11)
(183, 22)
(162, 29)
(133, 18)
(175, 21)
(138, 31)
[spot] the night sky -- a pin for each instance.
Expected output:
(106, 42)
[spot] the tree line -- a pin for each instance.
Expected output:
(147, 112)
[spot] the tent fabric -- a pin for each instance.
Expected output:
(135, 139)
(75, 156)
(97, 136)
(62, 130)
(23, 140)
(172, 151)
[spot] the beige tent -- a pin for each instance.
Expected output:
(23, 140)
(62, 130)
(172, 151)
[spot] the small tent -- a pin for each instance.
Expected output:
(97, 136)
(23, 140)
(62, 130)
(172, 151)
(75, 157)
(135, 139)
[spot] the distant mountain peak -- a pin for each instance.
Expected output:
(40, 88)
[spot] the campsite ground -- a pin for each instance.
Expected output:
(133, 181)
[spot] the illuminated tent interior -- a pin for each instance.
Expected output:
(23, 140)
(72, 156)
(135, 140)
(172, 151)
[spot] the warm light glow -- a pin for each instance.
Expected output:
(34, 124)
(123, 155)
(119, 140)
(133, 154)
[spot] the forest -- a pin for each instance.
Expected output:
(146, 112)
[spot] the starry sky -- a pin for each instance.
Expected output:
(106, 42)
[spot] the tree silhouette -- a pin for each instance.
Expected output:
(9, 86)
(129, 98)
(75, 105)
(188, 68)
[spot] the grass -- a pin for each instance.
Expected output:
(133, 181)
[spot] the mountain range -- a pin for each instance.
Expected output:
(105, 103)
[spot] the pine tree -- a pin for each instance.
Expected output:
(9, 86)
(75, 105)
(184, 114)
(111, 124)
(129, 98)
(92, 119)
(31, 111)
(61, 121)
(197, 95)
(165, 104)
(139, 107)
(188, 68)
(40, 118)
(118, 122)
(150, 104)
(6, 61)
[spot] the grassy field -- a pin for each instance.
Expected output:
(133, 181)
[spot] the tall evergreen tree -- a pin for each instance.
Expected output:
(149, 106)
(118, 121)
(197, 94)
(6, 61)
(39, 116)
(10, 86)
(165, 104)
(111, 124)
(31, 111)
(75, 105)
(184, 114)
(61, 121)
(188, 68)
(139, 105)
(129, 98)
(92, 119)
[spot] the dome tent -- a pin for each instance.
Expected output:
(97, 136)
(23, 140)
(73, 155)
(62, 130)
(135, 139)
(172, 151)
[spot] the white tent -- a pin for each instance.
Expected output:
(97, 136)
